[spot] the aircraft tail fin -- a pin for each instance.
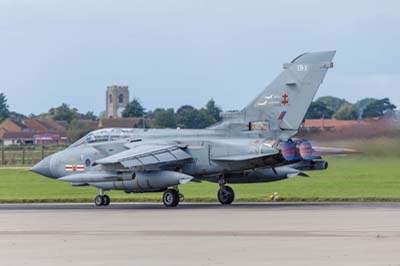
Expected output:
(285, 101)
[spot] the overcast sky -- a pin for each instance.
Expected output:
(171, 53)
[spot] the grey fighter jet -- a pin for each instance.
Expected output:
(249, 146)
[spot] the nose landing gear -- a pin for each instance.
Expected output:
(171, 197)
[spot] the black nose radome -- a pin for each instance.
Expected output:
(43, 167)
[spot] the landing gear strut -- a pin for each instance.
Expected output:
(171, 197)
(226, 195)
(102, 199)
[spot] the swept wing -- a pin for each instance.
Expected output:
(148, 156)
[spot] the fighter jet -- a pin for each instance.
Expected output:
(253, 145)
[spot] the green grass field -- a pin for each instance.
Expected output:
(353, 178)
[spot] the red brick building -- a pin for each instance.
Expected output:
(31, 131)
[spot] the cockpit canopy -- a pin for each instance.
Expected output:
(103, 135)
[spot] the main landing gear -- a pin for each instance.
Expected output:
(172, 197)
(226, 195)
(102, 199)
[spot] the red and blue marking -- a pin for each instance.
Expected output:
(281, 115)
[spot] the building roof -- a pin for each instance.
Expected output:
(88, 124)
(44, 125)
(19, 124)
(18, 135)
(382, 121)
(62, 123)
(15, 122)
(9, 125)
(320, 123)
(56, 126)
(35, 125)
(119, 122)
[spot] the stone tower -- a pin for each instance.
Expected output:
(117, 98)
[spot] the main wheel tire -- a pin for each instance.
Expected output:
(171, 198)
(107, 200)
(226, 195)
(99, 200)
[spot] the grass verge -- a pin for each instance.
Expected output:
(358, 178)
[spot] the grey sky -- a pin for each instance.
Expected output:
(185, 52)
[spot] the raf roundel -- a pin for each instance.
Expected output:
(87, 162)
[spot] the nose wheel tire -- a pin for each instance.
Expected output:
(171, 198)
(102, 200)
(226, 195)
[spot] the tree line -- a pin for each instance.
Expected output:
(188, 116)
(185, 116)
(332, 107)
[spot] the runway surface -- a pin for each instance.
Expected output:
(201, 234)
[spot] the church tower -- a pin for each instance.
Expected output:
(117, 98)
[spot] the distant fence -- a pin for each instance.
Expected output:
(26, 155)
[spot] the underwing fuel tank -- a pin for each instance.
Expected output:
(137, 181)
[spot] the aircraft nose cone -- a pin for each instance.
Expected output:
(43, 167)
